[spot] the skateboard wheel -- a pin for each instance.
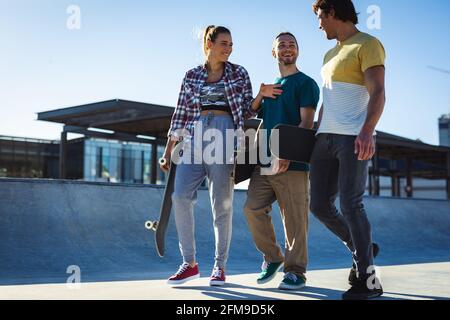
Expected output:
(151, 225)
(162, 161)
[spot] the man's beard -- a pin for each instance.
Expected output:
(289, 62)
(330, 36)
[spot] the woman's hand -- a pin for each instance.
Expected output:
(164, 162)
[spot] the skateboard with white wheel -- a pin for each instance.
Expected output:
(160, 226)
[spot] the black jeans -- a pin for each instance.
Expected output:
(335, 168)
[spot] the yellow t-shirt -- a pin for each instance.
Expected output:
(345, 97)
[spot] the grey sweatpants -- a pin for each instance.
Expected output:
(188, 179)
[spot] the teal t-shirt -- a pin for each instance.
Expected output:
(299, 91)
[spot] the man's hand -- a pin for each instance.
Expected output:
(270, 90)
(365, 146)
(365, 143)
(280, 166)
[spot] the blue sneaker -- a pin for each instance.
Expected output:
(291, 281)
(269, 271)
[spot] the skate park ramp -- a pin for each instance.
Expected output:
(47, 226)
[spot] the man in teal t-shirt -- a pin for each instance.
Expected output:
(299, 92)
(294, 104)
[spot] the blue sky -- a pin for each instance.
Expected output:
(140, 50)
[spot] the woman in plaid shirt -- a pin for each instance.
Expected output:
(214, 97)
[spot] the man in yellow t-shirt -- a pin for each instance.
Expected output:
(353, 101)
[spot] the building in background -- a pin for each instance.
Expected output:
(88, 159)
(119, 161)
(28, 158)
(123, 140)
(444, 130)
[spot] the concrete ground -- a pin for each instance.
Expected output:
(404, 282)
(48, 228)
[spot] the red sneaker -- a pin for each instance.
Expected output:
(217, 277)
(184, 274)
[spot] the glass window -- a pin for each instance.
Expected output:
(127, 166)
(147, 169)
(137, 168)
(105, 163)
(114, 165)
(115, 161)
(98, 162)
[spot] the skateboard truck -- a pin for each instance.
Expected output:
(151, 225)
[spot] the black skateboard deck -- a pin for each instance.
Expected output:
(295, 144)
(160, 226)
(166, 207)
(244, 168)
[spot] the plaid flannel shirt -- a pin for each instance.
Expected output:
(238, 89)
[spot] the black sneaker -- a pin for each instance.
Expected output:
(352, 276)
(361, 291)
